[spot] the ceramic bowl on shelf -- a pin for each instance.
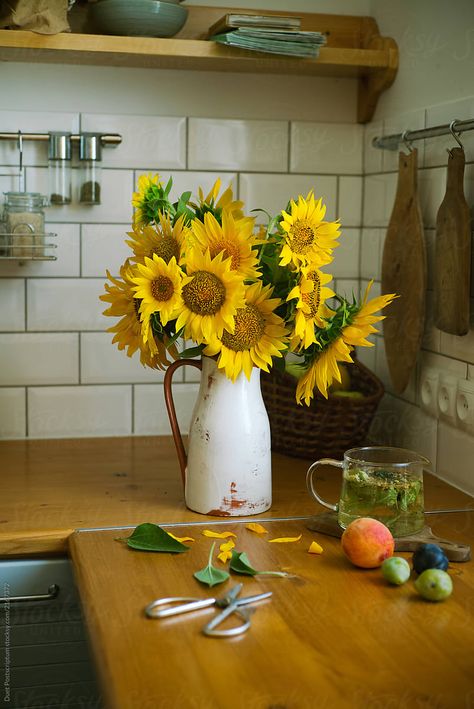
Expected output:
(137, 18)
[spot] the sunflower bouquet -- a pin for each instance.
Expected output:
(200, 271)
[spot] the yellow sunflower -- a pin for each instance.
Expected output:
(128, 331)
(311, 309)
(234, 239)
(308, 238)
(164, 240)
(258, 335)
(211, 296)
(225, 201)
(146, 183)
(323, 370)
(159, 288)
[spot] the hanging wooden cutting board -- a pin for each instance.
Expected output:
(453, 252)
(404, 273)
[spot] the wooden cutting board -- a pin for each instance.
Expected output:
(404, 273)
(453, 252)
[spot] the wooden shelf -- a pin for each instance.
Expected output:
(354, 49)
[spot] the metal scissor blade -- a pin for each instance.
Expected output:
(230, 596)
(175, 606)
(212, 627)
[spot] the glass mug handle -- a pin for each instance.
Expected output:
(309, 481)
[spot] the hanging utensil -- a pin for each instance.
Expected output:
(404, 272)
(453, 250)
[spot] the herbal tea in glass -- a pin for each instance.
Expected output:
(380, 482)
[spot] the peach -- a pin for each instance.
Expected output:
(367, 543)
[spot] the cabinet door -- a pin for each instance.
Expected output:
(44, 653)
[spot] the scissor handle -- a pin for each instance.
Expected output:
(175, 606)
(212, 629)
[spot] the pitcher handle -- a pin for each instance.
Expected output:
(309, 481)
(178, 440)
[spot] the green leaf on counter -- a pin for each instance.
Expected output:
(210, 575)
(150, 537)
(240, 564)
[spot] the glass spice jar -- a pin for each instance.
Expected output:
(24, 223)
(59, 168)
(90, 154)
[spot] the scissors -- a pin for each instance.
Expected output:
(230, 603)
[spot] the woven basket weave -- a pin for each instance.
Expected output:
(328, 427)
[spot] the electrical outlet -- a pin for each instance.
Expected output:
(465, 404)
(447, 388)
(429, 380)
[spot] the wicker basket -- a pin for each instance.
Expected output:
(326, 428)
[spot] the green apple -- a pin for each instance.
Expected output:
(434, 585)
(396, 570)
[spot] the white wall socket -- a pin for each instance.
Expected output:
(447, 388)
(429, 380)
(465, 404)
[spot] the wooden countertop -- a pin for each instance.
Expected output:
(334, 636)
(52, 487)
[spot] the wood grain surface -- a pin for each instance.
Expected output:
(404, 273)
(452, 268)
(333, 636)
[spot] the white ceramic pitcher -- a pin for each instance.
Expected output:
(227, 471)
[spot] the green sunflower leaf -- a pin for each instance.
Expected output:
(150, 537)
(240, 564)
(210, 575)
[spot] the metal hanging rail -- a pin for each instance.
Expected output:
(106, 139)
(392, 142)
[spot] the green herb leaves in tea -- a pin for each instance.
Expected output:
(210, 575)
(150, 537)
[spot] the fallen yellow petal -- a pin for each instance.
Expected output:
(257, 528)
(224, 556)
(181, 539)
(227, 546)
(285, 540)
(315, 548)
(218, 535)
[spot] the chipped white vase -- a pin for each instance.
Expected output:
(227, 470)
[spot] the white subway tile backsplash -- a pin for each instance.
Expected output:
(383, 372)
(273, 192)
(221, 144)
(104, 248)
(334, 148)
(455, 456)
(34, 152)
(379, 197)
(445, 364)
(399, 423)
(366, 355)
(12, 298)
(30, 358)
(66, 253)
(346, 256)
(459, 347)
(69, 412)
(371, 253)
(350, 201)
(347, 287)
(103, 363)
(12, 413)
(151, 417)
(116, 196)
(148, 142)
(431, 336)
(68, 304)
(193, 180)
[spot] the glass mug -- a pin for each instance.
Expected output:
(380, 482)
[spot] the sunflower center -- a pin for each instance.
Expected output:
(249, 328)
(205, 294)
(230, 250)
(302, 236)
(313, 299)
(162, 288)
(166, 248)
